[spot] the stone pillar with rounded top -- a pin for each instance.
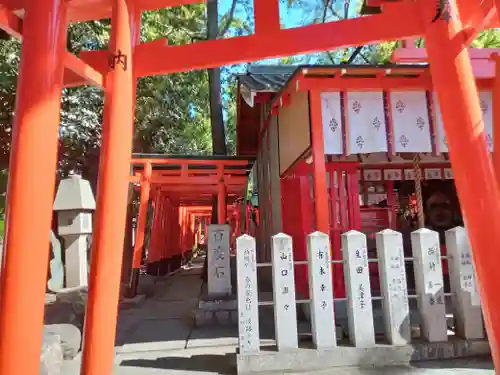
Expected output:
(359, 298)
(429, 284)
(466, 300)
(74, 205)
(391, 265)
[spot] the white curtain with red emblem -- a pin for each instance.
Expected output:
(486, 102)
(410, 119)
(332, 123)
(366, 122)
(441, 142)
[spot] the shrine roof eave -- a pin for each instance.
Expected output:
(275, 79)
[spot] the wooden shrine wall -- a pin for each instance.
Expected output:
(394, 121)
(294, 130)
(262, 168)
(274, 176)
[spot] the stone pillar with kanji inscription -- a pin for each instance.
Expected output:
(359, 297)
(391, 265)
(248, 308)
(429, 284)
(321, 291)
(285, 309)
(466, 301)
(219, 275)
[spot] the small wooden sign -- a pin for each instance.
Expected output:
(409, 174)
(393, 175)
(448, 173)
(372, 175)
(433, 174)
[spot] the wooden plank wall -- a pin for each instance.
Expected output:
(294, 130)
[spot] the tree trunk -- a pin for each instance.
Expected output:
(217, 121)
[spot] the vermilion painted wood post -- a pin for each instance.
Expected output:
(496, 117)
(221, 203)
(128, 248)
(153, 257)
(162, 249)
(141, 226)
(31, 186)
(319, 168)
(454, 82)
(114, 169)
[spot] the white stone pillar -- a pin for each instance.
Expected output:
(248, 308)
(466, 301)
(429, 284)
(285, 309)
(321, 291)
(219, 275)
(359, 296)
(391, 265)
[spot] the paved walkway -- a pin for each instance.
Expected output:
(159, 337)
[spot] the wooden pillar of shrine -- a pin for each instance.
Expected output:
(319, 168)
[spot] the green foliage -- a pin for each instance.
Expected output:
(487, 39)
(171, 111)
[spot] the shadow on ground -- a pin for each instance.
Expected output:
(220, 364)
(478, 363)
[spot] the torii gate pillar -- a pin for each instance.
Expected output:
(475, 180)
(112, 194)
(32, 173)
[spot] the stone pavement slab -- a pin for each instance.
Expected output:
(214, 362)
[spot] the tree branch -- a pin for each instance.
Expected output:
(229, 20)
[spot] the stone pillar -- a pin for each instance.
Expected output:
(359, 296)
(466, 301)
(248, 308)
(219, 275)
(391, 265)
(285, 309)
(75, 203)
(429, 284)
(321, 291)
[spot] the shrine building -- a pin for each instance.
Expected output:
(383, 142)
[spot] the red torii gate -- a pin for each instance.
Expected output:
(189, 185)
(46, 67)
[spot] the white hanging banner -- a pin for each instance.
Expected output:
(332, 123)
(410, 119)
(441, 142)
(366, 120)
(486, 102)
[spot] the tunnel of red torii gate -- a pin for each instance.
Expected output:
(181, 190)
(46, 67)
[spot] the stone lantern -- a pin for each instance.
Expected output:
(74, 205)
